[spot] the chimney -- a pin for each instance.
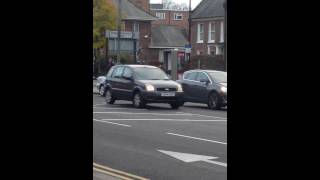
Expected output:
(143, 4)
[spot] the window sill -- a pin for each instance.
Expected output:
(211, 41)
(199, 42)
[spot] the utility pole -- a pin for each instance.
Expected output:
(119, 31)
(189, 34)
(225, 32)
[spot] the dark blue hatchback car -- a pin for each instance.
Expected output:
(205, 86)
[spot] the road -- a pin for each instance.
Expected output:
(160, 143)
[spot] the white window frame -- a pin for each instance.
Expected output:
(221, 32)
(210, 40)
(198, 33)
(177, 14)
(136, 27)
(161, 15)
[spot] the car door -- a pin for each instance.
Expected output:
(115, 82)
(202, 87)
(127, 83)
(188, 85)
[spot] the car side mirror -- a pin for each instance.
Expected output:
(205, 81)
(128, 78)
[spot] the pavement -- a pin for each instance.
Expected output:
(160, 143)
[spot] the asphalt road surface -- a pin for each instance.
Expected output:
(160, 143)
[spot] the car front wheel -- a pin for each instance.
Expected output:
(213, 101)
(101, 91)
(175, 105)
(109, 98)
(138, 101)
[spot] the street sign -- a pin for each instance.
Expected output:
(186, 157)
(123, 35)
(187, 48)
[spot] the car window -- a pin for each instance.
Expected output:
(219, 77)
(117, 72)
(127, 72)
(201, 75)
(191, 76)
(110, 72)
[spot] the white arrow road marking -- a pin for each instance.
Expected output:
(186, 157)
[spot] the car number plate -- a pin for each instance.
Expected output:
(169, 94)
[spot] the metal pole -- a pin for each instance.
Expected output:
(189, 35)
(119, 31)
(225, 32)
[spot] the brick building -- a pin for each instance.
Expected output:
(169, 17)
(136, 17)
(207, 28)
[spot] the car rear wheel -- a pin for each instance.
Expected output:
(101, 90)
(175, 105)
(213, 101)
(138, 101)
(109, 98)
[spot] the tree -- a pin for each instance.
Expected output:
(104, 17)
(169, 4)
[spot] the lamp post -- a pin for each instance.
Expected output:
(225, 31)
(119, 31)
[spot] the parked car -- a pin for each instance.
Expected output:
(100, 83)
(205, 86)
(141, 84)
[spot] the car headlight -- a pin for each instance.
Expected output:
(180, 88)
(223, 89)
(149, 87)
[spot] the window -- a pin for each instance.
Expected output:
(127, 72)
(211, 50)
(200, 34)
(161, 15)
(136, 27)
(191, 76)
(212, 32)
(177, 16)
(117, 72)
(201, 75)
(221, 32)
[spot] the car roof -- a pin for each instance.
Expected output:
(203, 70)
(137, 65)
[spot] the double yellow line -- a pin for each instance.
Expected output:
(116, 173)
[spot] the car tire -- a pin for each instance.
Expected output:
(214, 101)
(109, 98)
(138, 101)
(102, 91)
(175, 105)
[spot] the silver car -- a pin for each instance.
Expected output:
(99, 85)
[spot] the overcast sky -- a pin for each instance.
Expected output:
(194, 3)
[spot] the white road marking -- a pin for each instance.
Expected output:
(117, 108)
(112, 123)
(182, 120)
(99, 104)
(159, 114)
(188, 158)
(201, 139)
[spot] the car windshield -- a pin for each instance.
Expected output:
(147, 73)
(219, 77)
